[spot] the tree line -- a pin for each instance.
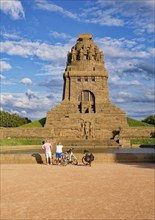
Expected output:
(12, 120)
(150, 120)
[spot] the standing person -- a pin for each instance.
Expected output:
(48, 151)
(59, 147)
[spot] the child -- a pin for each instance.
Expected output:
(58, 152)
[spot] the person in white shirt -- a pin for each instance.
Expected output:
(59, 147)
(47, 147)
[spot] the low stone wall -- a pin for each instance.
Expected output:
(32, 133)
(135, 132)
(99, 158)
(25, 133)
(138, 132)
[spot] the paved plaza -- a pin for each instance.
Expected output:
(102, 192)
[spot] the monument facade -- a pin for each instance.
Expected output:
(85, 111)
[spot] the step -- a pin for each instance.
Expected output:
(79, 143)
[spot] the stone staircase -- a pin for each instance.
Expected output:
(89, 143)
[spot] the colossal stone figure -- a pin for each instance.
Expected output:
(69, 56)
(90, 53)
(101, 57)
(73, 52)
(81, 55)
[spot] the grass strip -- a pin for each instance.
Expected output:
(146, 141)
(16, 142)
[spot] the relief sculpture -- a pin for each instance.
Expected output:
(87, 129)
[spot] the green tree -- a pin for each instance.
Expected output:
(12, 120)
(150, 119)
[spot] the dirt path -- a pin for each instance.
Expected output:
(102, 192)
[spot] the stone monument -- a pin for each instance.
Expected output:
(85, 111)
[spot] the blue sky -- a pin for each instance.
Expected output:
(37, 34)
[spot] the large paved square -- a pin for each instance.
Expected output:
(103, 191)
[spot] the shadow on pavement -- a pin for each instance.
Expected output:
(38, 158)
(145, 165)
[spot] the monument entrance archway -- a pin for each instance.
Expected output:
(86, 102)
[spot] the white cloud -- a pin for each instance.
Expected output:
(26, 81)
(116, 42)
(105, 20)
(120, 48)
(97, 16)
(149, 3)
(136, 68)
(52, 70)
(4, 66)
(150, 28)
(2, 76)
(44, 5)
(42, 50)
(111, 13)
(17, 112)
(51, 52)
(6, 98)
(152, 52)
(124, 94)
(60, 35)
(150, 95)
(122, 52)
(7, 82)
(20, 48)
(1, 109)
(34, 104)
(13, 8)
(116, 80)
(139, 14)
(143, 99)
(133, 6)
(114, 48)
(12, 36)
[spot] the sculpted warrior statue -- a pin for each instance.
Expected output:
(69, 57)
(81, 55)
(98, 56)
(90, 53)
(73, 54)
(101, 57)
(97, 53)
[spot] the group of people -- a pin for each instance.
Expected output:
(48, 148)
